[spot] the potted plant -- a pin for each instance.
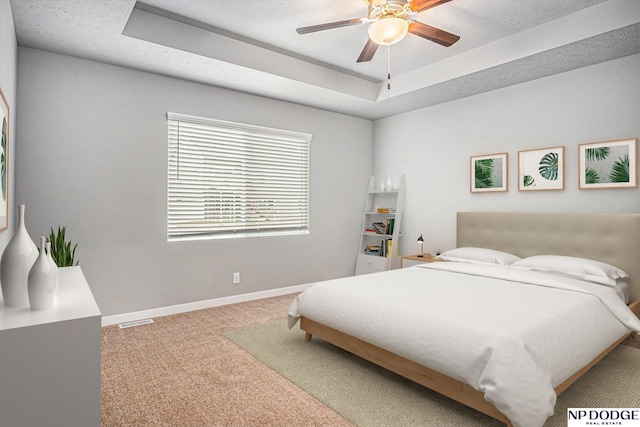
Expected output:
(61, 251)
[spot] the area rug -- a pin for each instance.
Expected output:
(368, 395)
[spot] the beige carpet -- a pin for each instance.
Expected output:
(181, 372)
(371, 396)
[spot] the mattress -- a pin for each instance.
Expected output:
(514, 335)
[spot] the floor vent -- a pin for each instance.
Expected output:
(134, 323)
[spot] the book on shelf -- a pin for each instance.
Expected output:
(384, 249)
(385, 210)
(373, 250)
(387, 246)
(389, 226)
(381, 227)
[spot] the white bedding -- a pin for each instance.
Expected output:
(512, 334)
(622, 289)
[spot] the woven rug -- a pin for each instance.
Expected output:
(368, 395)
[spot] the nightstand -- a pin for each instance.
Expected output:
(409, 260)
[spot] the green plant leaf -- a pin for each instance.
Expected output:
(620, 170)
(601, 153)
(548, 167)
(483, 173)
(591, 176)
(61, 251)
(528, 181)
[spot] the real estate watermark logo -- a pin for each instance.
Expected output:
(582, 417)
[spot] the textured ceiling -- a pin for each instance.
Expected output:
(252, 46)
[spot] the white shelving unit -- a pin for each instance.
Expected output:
(379, 198)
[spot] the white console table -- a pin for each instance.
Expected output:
(50, 360)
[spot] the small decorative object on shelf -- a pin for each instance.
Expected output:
(17, 260)
(61, 251)
(389, 186)
(421, 244)
(42, 280)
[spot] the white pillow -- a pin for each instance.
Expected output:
(581, 268)
(478, 256)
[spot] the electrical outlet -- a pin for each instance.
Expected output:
(236, 278)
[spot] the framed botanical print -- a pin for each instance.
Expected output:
(541, 169)
(489, 173)
(4, 162)
(610, 164)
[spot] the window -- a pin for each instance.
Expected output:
(230, 180)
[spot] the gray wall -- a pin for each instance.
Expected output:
(8, 83)
(433, 146)
(93, 157)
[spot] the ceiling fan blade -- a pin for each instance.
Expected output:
(432, 33)
(420, 5)
(369, 50)
(330, 26)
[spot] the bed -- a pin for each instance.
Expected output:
(500, 337)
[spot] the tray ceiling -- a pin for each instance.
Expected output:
(252, 46)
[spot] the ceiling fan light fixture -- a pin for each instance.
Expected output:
(388, 31)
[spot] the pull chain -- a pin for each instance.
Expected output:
(388, 67)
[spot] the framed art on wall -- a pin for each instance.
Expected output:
(609, 164)
(541, 169)
(4, 163)
(489, 173)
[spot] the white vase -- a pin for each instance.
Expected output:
(41, 283)
(55, 266)
(16, 262)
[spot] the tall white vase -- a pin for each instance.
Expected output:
(41, 283)
(15, 264)
(48, 246)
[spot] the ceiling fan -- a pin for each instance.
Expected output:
(390, 21)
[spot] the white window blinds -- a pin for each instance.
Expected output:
(228, 179)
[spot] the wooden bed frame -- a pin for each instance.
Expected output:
(611, 238)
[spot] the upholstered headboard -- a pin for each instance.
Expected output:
(613, 238)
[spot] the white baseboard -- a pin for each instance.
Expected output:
(199, 305)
